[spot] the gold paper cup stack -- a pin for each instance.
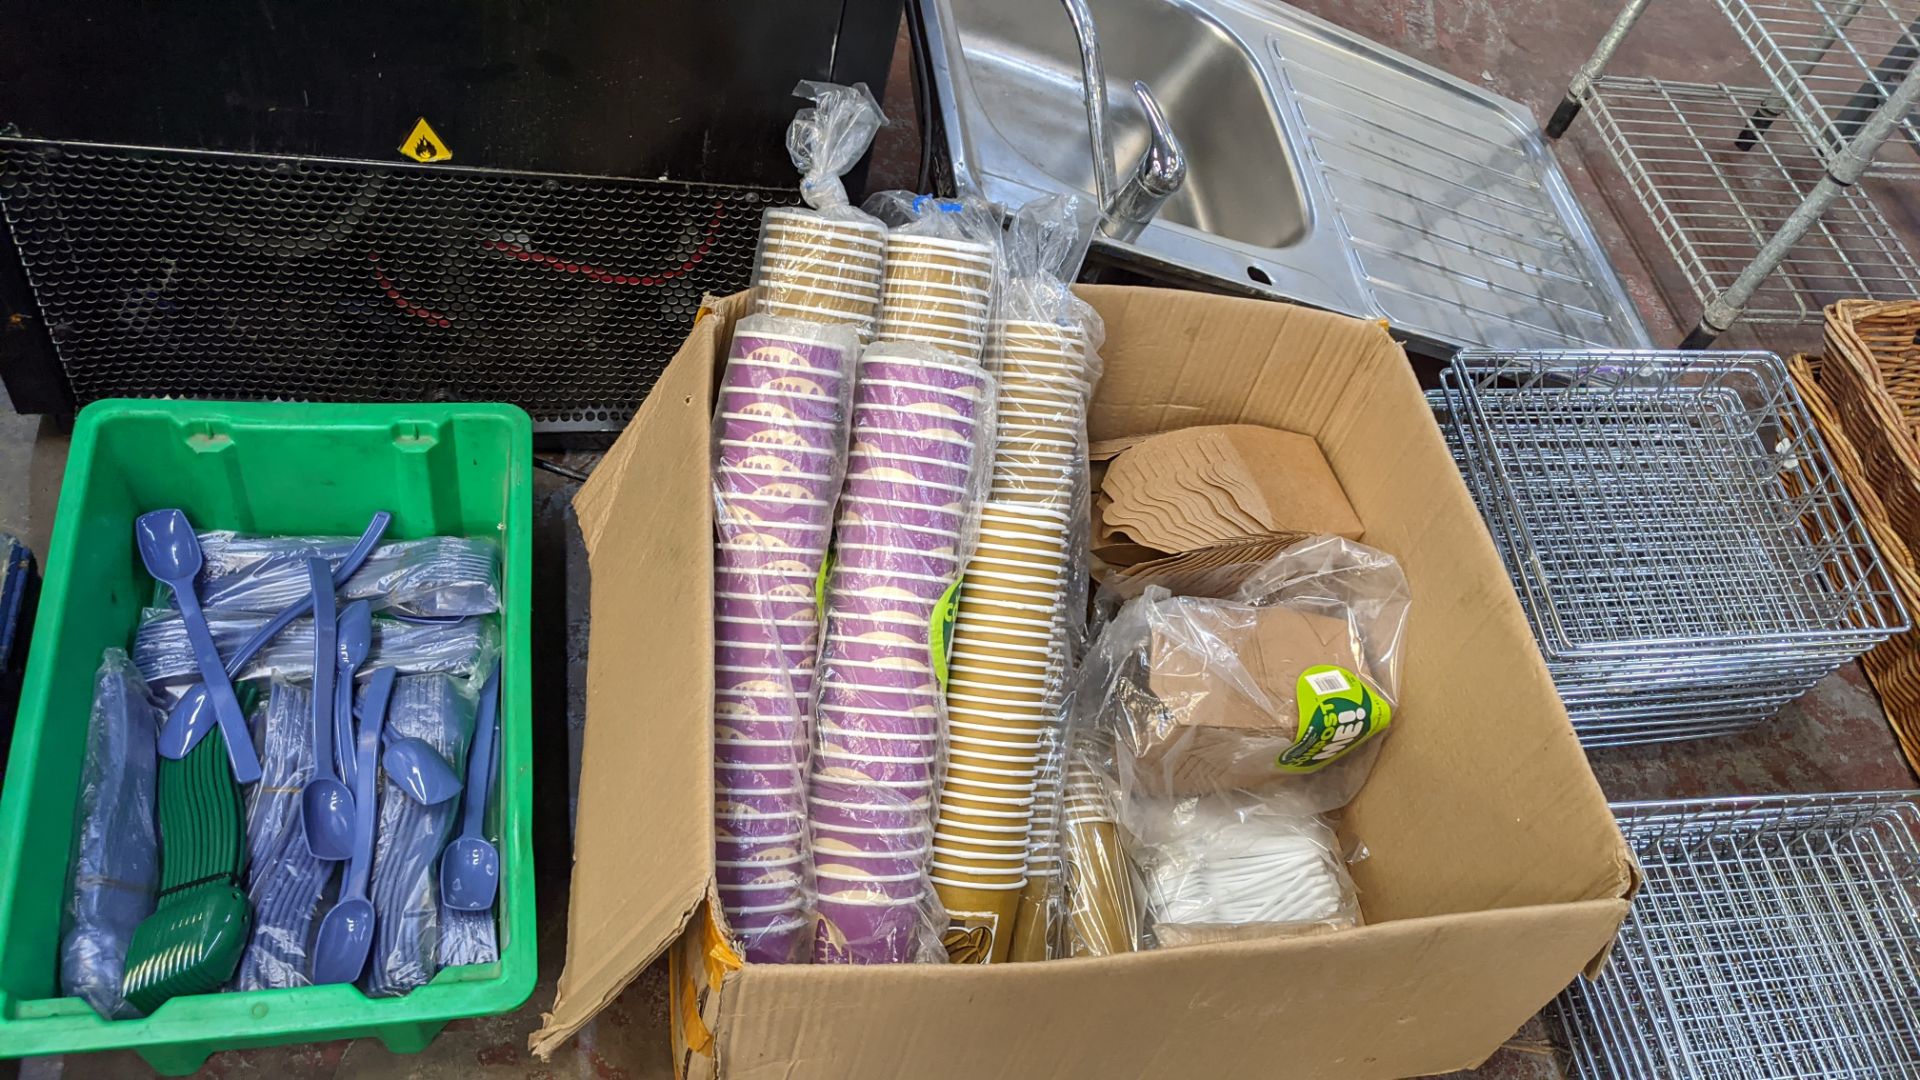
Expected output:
(1044, 388)
(1103, 914)
(1034, 924)
(821, 269)
(938, 292)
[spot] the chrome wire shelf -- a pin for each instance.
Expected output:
(1676, 533)
(1832, 63)
(1717, 198)
(1775, 937)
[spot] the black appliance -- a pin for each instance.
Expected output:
(239, 200)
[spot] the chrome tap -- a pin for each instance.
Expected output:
(1162, 168)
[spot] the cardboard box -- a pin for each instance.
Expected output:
(1496, 871)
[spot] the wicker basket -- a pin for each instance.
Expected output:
(1865, 395)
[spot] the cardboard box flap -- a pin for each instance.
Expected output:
(1301, 1007)
(642, 851)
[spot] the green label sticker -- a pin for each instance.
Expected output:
(820, 590)
(940, 634)
(1337, 713)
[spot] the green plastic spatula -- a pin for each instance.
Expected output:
(193, 940)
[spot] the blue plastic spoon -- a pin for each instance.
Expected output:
(171, 553)
(419, 770)
(326, 804)
(346, 935)
(470, 867)
(191, 716)
(353, 640)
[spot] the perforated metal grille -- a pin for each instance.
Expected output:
(228, 276)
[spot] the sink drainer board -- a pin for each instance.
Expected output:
(1323, 168)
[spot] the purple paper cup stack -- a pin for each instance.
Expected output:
(898, 549)
(780, 431)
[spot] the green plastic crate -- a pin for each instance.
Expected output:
(260, 468)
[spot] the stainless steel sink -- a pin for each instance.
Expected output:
(1322, 168)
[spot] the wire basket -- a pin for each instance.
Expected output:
(1774, 937)
(1862, 396)
(1680, 541)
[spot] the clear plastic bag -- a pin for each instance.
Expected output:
(1209, 736)
(779, 455)
(1018, 624)
(165, 657)
(410, 837)
(116, 864)
(827, 140)
(822, 263)
(945, 272)
(1236, 865)
(438, 577)
(285, 882)
(1046, 243)
(468, 937)
(1285, 687)
(1102, 907)
(906, 524)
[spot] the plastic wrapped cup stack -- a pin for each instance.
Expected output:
(1008, 662)
(938, 291)
(780, 434)
(820, 268)
(903, 528)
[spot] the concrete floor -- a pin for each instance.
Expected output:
(1834, 739)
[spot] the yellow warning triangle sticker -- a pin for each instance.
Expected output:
(423, 145)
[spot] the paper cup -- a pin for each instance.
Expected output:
(830, 842)
(761, 679)
(970, 646)
(862, 770)
(975, 630)
(831, 882)
(864, 230)
(777, 776)
(957, 888)
(858, 276)
(752, 826)
(760, 752)
(749, 804)
(1003, 728)
(745, 709)
(947, 835)
(998, 769)
(940, 425)
(987, 859)
(945, 520)
(877, 708)
(902, 446)
(902, 747)
(821, 353)
(777, 942)
(872, 812)
(840, 291)
(887, 365)
(940, 288)
(784, 253)
(863, 932)
(747, 374)
(760, 873)
(771, 850)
